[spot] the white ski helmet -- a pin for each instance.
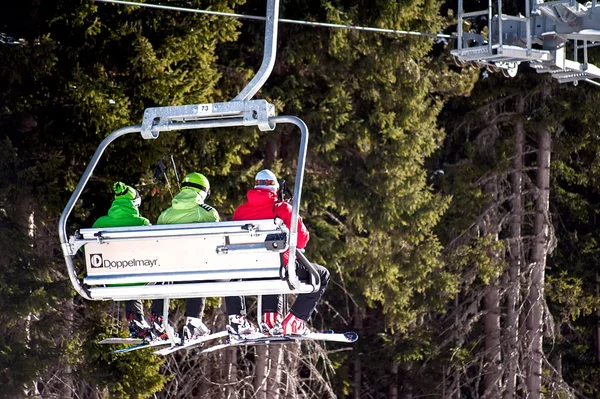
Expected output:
(266, 179)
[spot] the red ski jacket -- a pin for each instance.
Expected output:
(262, 204)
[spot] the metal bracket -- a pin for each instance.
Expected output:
(99, 237)
(249, 113)
(67, 249)
(276, 242)
(251, 229)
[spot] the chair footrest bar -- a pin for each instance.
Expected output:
(201, 276)
(195, 290)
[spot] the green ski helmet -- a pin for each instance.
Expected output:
(197, 182)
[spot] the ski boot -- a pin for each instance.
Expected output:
(292, 325)
(271, 324)
(158, 330)
(239, 325)
(139, 328)
(194, 328)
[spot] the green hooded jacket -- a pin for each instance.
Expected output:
(122, 213)
(188, 207)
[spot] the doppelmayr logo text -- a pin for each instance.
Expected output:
(96, 261)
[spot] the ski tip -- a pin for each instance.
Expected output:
(215, 348)
(351, 336)
(165, 351)
(121, 350)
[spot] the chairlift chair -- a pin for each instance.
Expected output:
(220, 259)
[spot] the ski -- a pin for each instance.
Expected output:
(264, 339)
(192, 343)
(347, 337)
(125, 341)
(144, 345)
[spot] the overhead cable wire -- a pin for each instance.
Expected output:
(289, 21)
(592, 82)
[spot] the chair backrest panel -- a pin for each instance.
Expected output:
(206, 251)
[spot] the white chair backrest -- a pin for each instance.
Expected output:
(176, 252)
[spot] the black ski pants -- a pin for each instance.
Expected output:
(304, 305)
(136, 308)
(194, 307)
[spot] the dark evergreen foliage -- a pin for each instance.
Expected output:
(402, 215)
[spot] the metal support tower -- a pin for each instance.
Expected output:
(541, 38)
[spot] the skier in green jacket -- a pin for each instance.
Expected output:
(124, 212)
(188, 207)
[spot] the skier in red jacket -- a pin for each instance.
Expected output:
(263, 203)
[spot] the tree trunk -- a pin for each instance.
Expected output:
(291, 383)
(456, 381)
(274, 375)
(260, 383)
(231, 378)
(538, 258)
(24, 217)
(394, 384)
(358, 321)
(230, 357)
(491, 380)
(515, 258)
(557, 363)
(598, 323)
(407, 391)
(491, 301)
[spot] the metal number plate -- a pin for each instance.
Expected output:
(204, 109)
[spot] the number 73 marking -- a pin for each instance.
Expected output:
(204, 109)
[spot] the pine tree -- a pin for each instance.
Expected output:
(507, 118)
(371, 103)
(81, 71)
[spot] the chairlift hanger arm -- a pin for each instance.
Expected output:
(62, 223)
(297, 188)
(269, 54)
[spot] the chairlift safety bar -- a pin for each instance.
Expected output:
(84, 236)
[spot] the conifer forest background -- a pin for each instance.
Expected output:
(457, 210)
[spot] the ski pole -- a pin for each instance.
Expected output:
(163, 170)
(174, 169)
